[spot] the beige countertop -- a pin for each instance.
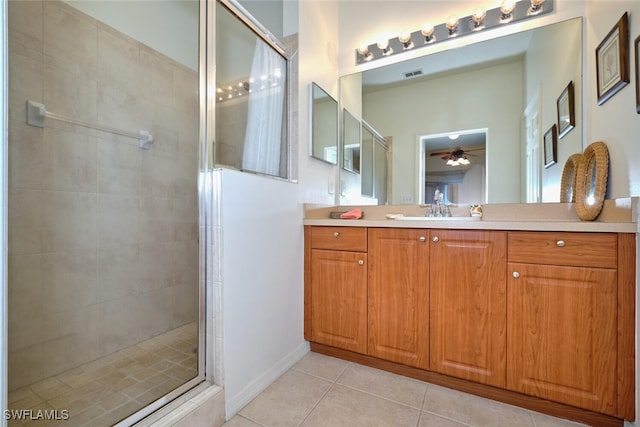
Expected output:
(612, 227)
(618, 216)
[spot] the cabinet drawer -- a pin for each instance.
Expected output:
(571, 249)
(339, 238)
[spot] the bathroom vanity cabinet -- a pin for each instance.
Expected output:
(531, 318)
(398, 295)
(468, 304)
(338, 306)
(563, 318)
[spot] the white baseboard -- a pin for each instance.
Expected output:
(233, 404)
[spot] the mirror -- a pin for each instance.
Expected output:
(251, 106)
(591, 181)
(351, 141)
(568, 183)
(324, 125)
(486, 85)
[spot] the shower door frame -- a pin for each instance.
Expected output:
(4, 109)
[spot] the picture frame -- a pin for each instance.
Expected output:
(612, 61)
(636, 44)
(566, 111)
(550, 146)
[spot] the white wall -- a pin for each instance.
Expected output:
(318, 54)
(615, 122)
(262, 276)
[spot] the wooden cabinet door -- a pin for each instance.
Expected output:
(562, 334)
(399, 295)
(339, 299)
(468, 305)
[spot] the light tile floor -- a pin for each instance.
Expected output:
(104, 391)
(325, 391)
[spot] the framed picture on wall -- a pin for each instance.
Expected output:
(550, 146)
(636, 43)
(612, 61)
(566, 111)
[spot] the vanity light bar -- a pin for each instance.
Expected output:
(494, 18)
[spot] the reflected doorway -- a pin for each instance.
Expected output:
(533, 173)
(454, 164)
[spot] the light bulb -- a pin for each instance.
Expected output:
(506, 10)
(363, 50)
(507, 6)
(383, 44)
(404, 36)
(427, 32)
(405, 39)
(452, 24)
(478, 16)
(536, 7)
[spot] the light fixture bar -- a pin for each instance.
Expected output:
(466, 25)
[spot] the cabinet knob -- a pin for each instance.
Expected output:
(435, 239)
(360, 262)
(560, 243)
(515, 274)
(336, 234)
(422, 239)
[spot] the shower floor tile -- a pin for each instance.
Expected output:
(106, 390)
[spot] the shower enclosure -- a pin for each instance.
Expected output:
(103, 224)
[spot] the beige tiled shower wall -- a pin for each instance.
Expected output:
(103, 236)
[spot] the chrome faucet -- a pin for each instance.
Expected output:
(439, 209)
(438, 197)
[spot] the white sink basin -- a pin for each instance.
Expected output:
(435, 218)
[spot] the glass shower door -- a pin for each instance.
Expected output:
(103, 206)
